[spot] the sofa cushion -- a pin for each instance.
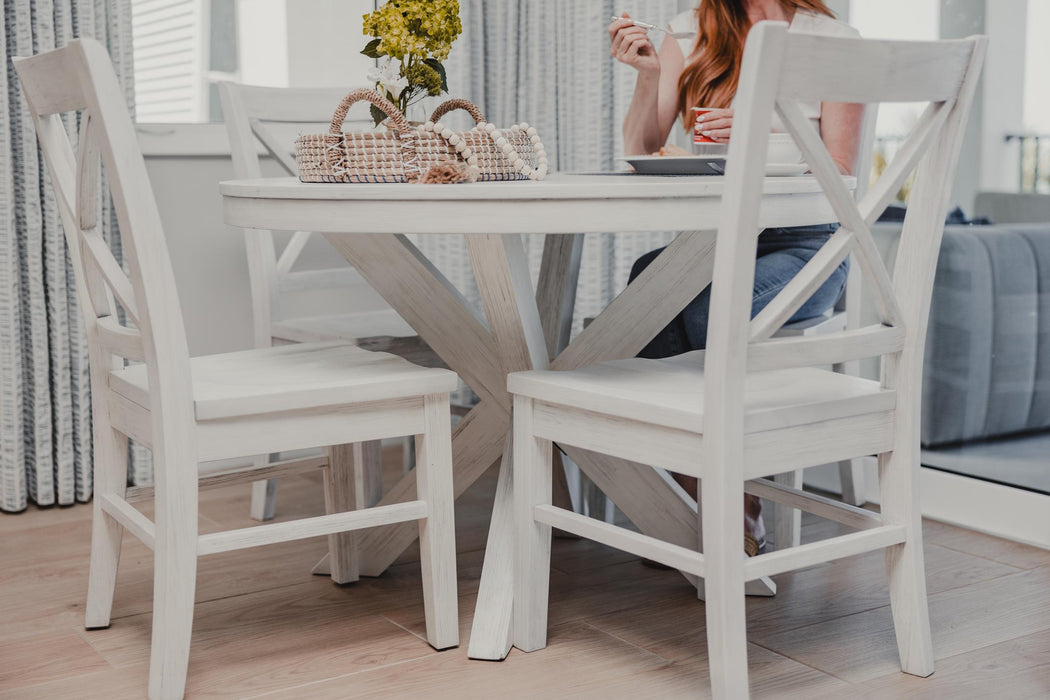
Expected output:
(987, 366)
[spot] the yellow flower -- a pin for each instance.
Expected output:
(419, 35)
(417, 28)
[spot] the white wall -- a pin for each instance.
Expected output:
(960, 19)
(302, 43)
(208, 257)
(1003, 99)
(325, 42)
(1037, 51)
(262, 42)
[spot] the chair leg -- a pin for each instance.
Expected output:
(341, 493)
(787, 521)
(437, 532)
(174, 578)
(722, 530)
(408, 454)
(361, 487)
(368, 472)
(264, 496)
(851, 476)
(111, 477)
(561, 493)
(533, 486)
(898, 474)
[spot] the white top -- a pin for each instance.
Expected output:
(804, 22)
(562, 203)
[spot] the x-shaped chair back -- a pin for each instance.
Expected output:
(80, 78)
(777, 74)
(263, 115)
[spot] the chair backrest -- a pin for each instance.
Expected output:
(778, 71)
(80, 77)
(266, 115)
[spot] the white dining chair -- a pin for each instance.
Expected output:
(189, 411)
(270, 118)
(787, 521)
(751, 406)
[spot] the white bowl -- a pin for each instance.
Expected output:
(782, 150)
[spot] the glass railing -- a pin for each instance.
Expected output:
(1035, 161)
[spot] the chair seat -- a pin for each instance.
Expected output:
(292, 377)
(369, 324)
(670, 392)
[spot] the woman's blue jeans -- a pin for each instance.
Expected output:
(782, 252)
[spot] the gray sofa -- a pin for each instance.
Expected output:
(986, 390)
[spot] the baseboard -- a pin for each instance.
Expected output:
(1014, 514)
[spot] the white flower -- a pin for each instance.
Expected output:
(388, 77)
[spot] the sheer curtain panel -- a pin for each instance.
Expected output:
(45, 412)
(547, 62)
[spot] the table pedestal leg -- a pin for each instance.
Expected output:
(490, 635)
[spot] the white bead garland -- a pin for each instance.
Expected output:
(518, 163)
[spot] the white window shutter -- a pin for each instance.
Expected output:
(171, 59)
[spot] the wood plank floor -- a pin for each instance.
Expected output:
(264, 627)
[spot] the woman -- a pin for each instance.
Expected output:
(703, 72)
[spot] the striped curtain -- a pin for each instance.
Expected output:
(547, 62)
(45, 410)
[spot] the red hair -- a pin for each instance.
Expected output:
(713, 69)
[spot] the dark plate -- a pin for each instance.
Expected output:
(677, 165)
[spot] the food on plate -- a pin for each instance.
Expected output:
(672, 151)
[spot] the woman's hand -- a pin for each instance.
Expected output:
(716, 124)
(631, 45)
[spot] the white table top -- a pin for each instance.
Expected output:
(563, 203)
(557, 186)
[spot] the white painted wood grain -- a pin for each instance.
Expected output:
(437, 540)
(687, 560)
(258, 535)
(532, 486)
(780, 492)
(825, 550)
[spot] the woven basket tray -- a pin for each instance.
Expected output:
(404, 153)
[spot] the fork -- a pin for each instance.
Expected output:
(653, 27)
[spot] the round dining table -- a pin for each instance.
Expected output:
(526, 325)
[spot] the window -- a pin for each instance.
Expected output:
(1037, 60)
(1035, 136)
(915, 20)
(909, 20)
(182, 47)
(168, 56)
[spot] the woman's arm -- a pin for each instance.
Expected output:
(840, 124)
(654, 107)
(839, 129)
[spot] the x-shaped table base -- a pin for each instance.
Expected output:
(515, 340)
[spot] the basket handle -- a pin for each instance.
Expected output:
(454, 104)
(375, 98)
